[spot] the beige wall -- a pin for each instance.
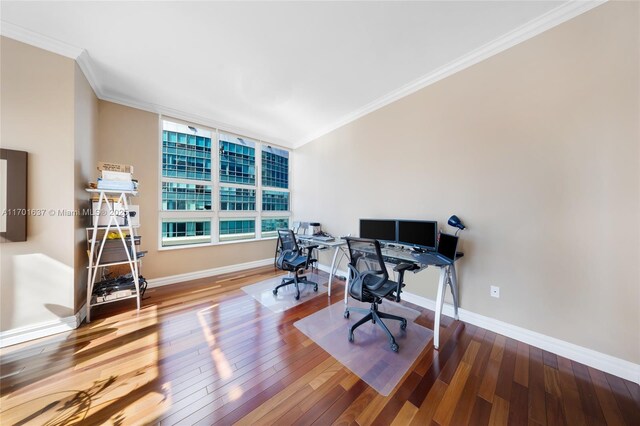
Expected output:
(37, 116)
(537, 150)
(131, 136)
(86, 129)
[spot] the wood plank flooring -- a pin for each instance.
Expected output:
(204, 352)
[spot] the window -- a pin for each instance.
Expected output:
(237, 199)
(271, 225)
(185, 196)
(275, 167)
(275, 200)
(239, 191)
(237, 160)
(237, 229)
(183, 232)
(185, 155)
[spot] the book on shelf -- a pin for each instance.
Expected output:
(114, 167)
(116, 185)
(116, 177)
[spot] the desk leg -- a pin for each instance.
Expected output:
(439, 301)
(346, 290)
(332, 271)
(453, 282)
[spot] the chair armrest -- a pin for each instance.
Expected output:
(404, 267)
(400, 269)
(309, 250)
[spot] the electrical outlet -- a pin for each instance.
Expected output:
(495, 291)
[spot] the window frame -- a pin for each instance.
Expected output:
(215, 214)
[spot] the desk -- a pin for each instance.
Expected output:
(338, 245)
(448, 277)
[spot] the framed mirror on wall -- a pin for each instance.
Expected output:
(13, 196)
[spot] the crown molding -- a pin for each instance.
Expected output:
(554, 17)
(16, 32)
(192, 118)
(86, 65)
(82, 57)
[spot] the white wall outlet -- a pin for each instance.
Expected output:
(495, 291)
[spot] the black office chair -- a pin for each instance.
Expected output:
(369, 282)
(293, 260)
(313, 262)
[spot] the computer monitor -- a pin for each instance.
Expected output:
(447, 246)
(378, 229)
(418, 233)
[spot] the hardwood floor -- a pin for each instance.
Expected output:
(204, 352)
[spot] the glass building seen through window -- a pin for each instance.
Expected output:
(186, 153)
(275, 201)
(275, 167)
(272, 224)
(237, 198)
(242, 188)
(237, 160)
(183, 232)
(237, 229)
(185, 196)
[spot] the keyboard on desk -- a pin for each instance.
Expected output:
(392, 260)
(394, 255)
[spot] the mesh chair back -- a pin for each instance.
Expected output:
(288, 247)
(366, 267)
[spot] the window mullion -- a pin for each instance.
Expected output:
(259, 190)
(215, 194)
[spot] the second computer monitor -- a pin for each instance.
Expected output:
(378, 229)
(418, 233)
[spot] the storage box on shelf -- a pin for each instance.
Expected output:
(112, 241)
(116, 289)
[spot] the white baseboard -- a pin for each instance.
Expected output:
(43, 329)
(610, 364)
(601, 361)
(172, 279)
(48, 328)
(327, 269)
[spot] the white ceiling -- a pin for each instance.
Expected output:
(284, 72)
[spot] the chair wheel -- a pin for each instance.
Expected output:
(403, 325)
(275, 291)
(315, 288)
(351, 337)
(395, 347)
(346, 314)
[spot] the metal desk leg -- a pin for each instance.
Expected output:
(346, 290)
(333, 267)
(453, 282)
(439, 302)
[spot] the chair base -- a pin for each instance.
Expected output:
(375, 316)
(296, 280)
